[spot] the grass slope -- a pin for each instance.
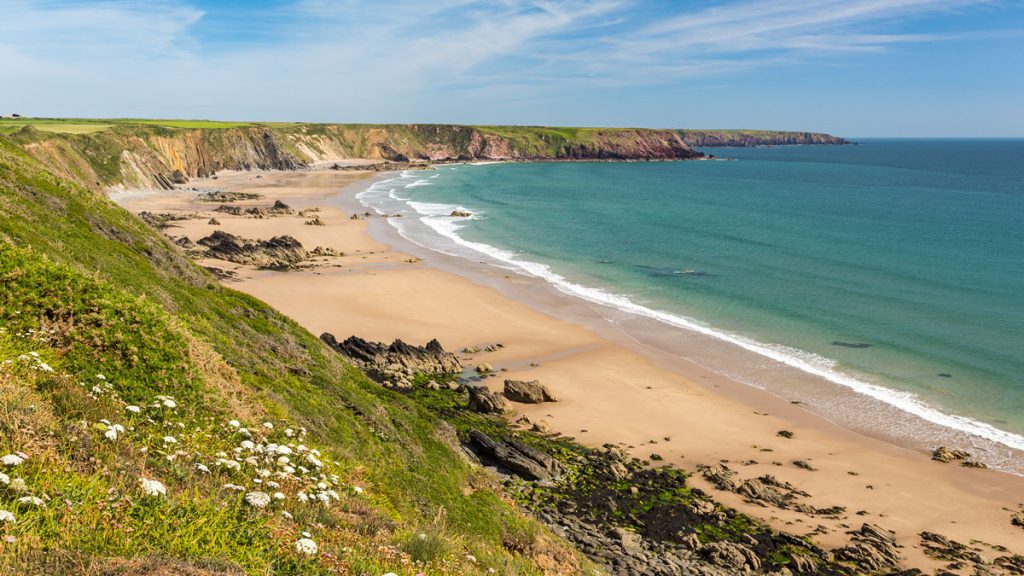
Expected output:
(93, 291)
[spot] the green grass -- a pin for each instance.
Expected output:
(122, 302)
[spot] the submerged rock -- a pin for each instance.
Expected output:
(527, 392)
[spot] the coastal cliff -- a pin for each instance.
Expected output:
(152, 156)
(749, 138)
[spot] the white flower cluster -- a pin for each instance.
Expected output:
(35, 362)
(153, 488)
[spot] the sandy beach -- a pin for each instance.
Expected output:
(612, 389)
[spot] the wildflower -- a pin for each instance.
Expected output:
(169, 403)
(284, 450)
(234, 423)
(5, 479)
(203, 468)
(391, 574)
(283, 460)
(289, 432)
(357, 489)
(313, 460)
(133, 409)
(18, 485)
(244, 432)
(101, 376)
(11, 460)
(286, 514)
(257, 499)
(34, 501)
(152, 487)
(235, 487)
(279, 496)
(7, 517)
(306, 546)
(302, 497)
(289, 470)
(170, 440)
(111, 434)
(268, 425)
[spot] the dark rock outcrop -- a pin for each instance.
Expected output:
(527, 392)
(397, 363)
(871, 547)
(514, 456)
(278, 253)
(483, 400)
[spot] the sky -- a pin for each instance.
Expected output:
(856, 68)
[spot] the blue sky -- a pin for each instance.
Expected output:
(849, 67)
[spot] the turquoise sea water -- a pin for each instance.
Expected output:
(895, 263)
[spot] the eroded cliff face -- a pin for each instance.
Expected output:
(138, 156)
(749, 138)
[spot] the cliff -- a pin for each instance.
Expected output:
(150, 156)
(746, 138)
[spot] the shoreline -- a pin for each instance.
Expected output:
(601, 373)
(849, 401)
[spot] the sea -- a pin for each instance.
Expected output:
(880, 284)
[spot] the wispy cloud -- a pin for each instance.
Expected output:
(398, 59)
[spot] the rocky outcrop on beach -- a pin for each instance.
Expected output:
(485, 401)
(527, 392)
(765, 490)
(278, 253)
(947, 455)
(397, 363)
(514, 456)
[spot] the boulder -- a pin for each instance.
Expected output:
(483, 400)
(527, 392)
(946, 455)
(214, 222)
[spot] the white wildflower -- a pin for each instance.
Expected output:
(32, 500)
(11, 460)
(302, 497)
(273, 485)
(306, 546)
(284, 450)
(268, 425)
(313, 460)
(18, 485)
(101, 376)
(286, 514)
(289, 469)
(110, 434)
(234, 423)
(5, 479)
(169, 403)
(257, 499)
(289, 432)
(357, 489)
(244, 432)
(7, 517)
(247, 444)
(282, 460)
(153, 487)
(170, 440)
(133, 409)
(203, 468)
(278, 495)
(235, 487)
(34, 354)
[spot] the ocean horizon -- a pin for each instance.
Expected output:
(889, 271)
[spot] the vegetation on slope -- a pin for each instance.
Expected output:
(93, 291)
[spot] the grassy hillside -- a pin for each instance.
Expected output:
(101, 314)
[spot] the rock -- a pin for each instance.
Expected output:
(484, 368)
(974, 464)
(730, 555)
(804, 464)
(784, 434)
(325, 252)
(232, 210)
(225, 196)
(527, 392)
(384, 363)
(939, 547)
(178, 177)
(214, 222)
(471, 350)
(515, 456)
(945, 455)
(872, 548)
(316, 221)
(460, 214)
(483, 400)
(1018, 519)
(541, 427)
(280, 208)
(280, 252)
